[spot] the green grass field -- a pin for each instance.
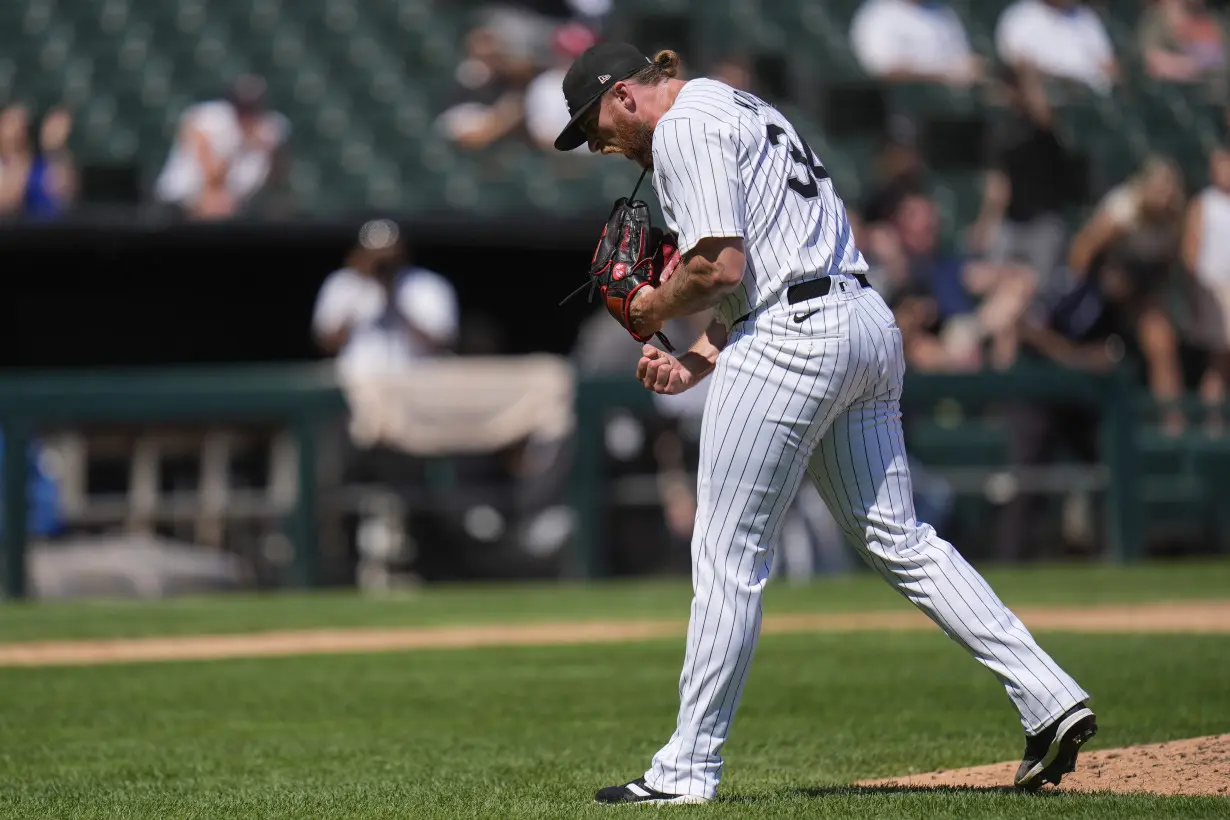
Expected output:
(531, 732)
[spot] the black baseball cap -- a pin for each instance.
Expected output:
(592, 74)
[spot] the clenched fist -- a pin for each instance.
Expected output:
(661, 372)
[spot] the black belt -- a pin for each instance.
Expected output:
(811, 289)
(814, 288)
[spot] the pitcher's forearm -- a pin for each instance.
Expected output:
(710, 343)
(702, 356)
(707, 274)
(696, 286)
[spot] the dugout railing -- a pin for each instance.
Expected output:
(300, 398)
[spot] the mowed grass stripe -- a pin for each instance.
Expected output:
(1195, 617)
(532, 732)
(522, 603)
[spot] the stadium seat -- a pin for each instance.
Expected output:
(362, 82)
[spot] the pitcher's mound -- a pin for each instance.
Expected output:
(1198, 766)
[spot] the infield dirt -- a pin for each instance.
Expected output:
(1191, 617)
(1194, 766)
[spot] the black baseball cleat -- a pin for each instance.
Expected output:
(1051, 753)
(638, 792)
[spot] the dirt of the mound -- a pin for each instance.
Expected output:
(1172, 617)
(1195, 766)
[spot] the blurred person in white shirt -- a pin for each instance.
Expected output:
(225, 153)
(1064, 39)
(379, 314)
(913, 41)
(546, 110)
(487, 102)
(1205, 252)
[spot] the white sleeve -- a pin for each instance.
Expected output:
(546, 110)
(1121, 204)
(280, 127)
(871, 39)
(429, 303)
(334, 305)
(1011, 33)
(1099, 40)
(696, 171)
(202, 115)
(959, 35)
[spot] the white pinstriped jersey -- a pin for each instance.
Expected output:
(728, 164)
(794, 396)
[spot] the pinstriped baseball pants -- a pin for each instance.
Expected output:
(820, 398)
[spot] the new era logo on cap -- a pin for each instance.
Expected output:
(591, 75)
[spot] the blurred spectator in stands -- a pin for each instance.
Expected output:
(593, 13)
(527, 26)
(1206, 257)
(899, 172)
(547, 14)
(379, 314)
(488, 102)
(1029, 181)
(1062, 39)
(1086, 329)
(546, 110)
(35, 182)
(913, 41)
(1183, 42)
(225, 154)
(1136, 230)
(955, 314)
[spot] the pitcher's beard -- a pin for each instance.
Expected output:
(635, 141)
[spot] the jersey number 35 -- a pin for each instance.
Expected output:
(805, 182)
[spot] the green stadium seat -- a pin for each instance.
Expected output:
(263, 17)
(12, 16)
(37, 18)
(410, 16)
(133, 48)
(374, 75)
(8, 76)
(385, 190)
(842, 11)
(921, 101)
(462, 190)
(960, 194)
(980, 16)
(304, 177)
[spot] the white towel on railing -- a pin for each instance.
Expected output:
(459, 405)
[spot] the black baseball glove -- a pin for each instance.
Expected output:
(631, 254)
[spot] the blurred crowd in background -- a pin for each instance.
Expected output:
(1141, 280)
(1145, 278)
(1149, 261)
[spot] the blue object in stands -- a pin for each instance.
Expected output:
(39, 200)
(44, 515)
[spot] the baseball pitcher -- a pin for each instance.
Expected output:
(805, 365)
